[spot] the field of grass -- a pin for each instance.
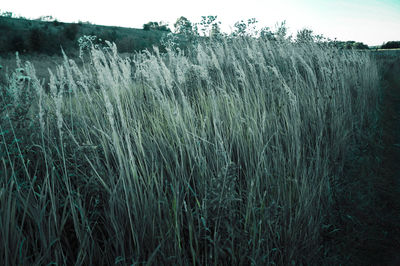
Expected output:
(232, 153)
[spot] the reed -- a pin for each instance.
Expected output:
(228, 153)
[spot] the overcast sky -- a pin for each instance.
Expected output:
(370, 21)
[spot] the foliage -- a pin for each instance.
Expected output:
(46, 18)
(242, 28)
(349, 45)
(183, 26)
(6, 14)
(205, 26)
(360, 45)
(267, 34)
(156, 26)
(391, 45)
(305, 36)
(215, 30)
(281, 31)
(71, 31)
(36, 39)
(48, 37)
(17, 43)
(232, 153)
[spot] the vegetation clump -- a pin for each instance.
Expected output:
(391, 45)
(231, 152)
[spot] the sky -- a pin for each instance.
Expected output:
(372, 22)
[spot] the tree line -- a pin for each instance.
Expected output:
(47, 35)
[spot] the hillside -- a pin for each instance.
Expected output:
(34, 36)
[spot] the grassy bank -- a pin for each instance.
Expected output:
(232, 153)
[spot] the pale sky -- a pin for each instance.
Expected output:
(370, 21)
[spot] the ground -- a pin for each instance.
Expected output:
(379, 222)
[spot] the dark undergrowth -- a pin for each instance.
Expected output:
(368, 208)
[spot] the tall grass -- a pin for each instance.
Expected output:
(230, 153)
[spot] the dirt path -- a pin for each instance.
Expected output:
(370, 204)
(391, 163)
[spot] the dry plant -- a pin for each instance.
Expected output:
(230, 153)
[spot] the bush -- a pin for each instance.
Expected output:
(70, 31)
(360, 46)
(109, 35)
(156, 26)
(391, 45)
(56, 23)
(126, 45)
(17, 44)
(37, 39)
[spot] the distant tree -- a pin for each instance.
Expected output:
(360, 45)
(281, 30)
(246, 28)
(163, 27)
(205, 25)
(150, 25)
(240, 28)
(156, 26)
(45, 18)
(56, 23)
(267, 34)
(391, 45)
(215, 30)
(80, 23)
(183, 26)
(349, 45)
(6, 14)
(305, 36)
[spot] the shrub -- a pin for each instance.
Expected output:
(126, 45)
(17, 43)
(360, 45)
(70, 31)
(391, 45)
(56, 23)
(36, 39)
(156, 26)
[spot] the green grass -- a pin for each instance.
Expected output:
(231, 153)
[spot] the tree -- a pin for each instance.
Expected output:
(281, 30)
(243, 28)
(391, 45)
(6, 14)
(349, 45)
(205, 24)
(215, 30)
(360, 45)
(156, 26)
(267, 34)
(45, 18)
(240, 28)
(183, 26)
(305, 36)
